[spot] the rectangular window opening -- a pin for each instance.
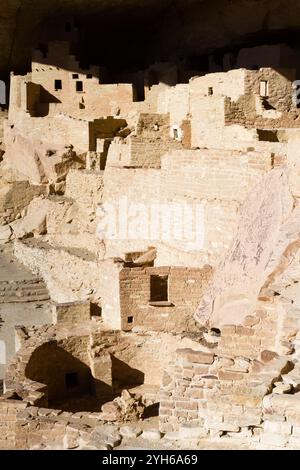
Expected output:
(75, 76)
(79, 86)
(58, 84)
(210, 91)
(159, 288)
(89, 76)
(129, 320)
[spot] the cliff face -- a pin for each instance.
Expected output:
(227, 23)
(23, 21)
(155, 28)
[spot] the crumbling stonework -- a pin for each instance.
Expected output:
(201, 325)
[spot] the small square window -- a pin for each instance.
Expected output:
(58, 84)
(75, 76)
(79, 86)
(159, 288)
(129, 320)
(210, 91)
(89, 76)
(71, 380)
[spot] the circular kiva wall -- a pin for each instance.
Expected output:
(83, 372)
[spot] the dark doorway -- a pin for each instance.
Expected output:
(79, 86)
(124, 376)
(71, 380)
(58, 85)
(159, 288)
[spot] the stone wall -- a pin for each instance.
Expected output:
(36, 379)
(231, 84)
(145, 147)
(214, 395)
(213, 174)
(3, 117)
(175, 100)
(218, 180)
(243, 389)
(90, 101)
(64, 130)
(9, 410)
(71, 313)
(280, 90)
(237, 401)
(175, 314)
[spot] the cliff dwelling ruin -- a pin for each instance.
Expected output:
(149, 225)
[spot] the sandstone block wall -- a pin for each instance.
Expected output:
(9, 410)
(146, 146)
(71, 314)
(185, 286)
(216, 394)
(213, 174)
(141, 357)
(175, 101)
(280, 91)
(217, 180)
(147, 153)
(92, 100)
(56, 133)
(231, 84)
(116, 360)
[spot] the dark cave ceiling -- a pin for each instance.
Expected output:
(132, 31)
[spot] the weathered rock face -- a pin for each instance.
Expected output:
(226, 23)
(36, 161)
(268, 227)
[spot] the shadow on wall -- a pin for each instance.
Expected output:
(124, 376)
(43, 107)
(71, 386)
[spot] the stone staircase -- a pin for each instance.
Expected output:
(17, 283)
